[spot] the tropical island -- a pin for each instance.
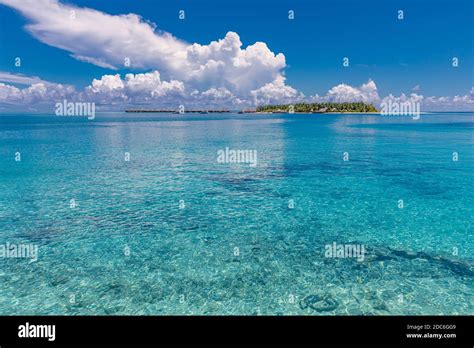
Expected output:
(317, 108)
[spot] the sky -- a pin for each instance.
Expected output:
(236, 54)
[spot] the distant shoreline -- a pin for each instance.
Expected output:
(176, 112)
(299, 108)
(11, 113)
(243, 112)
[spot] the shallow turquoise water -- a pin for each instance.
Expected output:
(128, 247)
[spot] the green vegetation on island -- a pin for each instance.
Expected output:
(318, 107)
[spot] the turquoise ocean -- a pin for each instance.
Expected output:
(174, 231)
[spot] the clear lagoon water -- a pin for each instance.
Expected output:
(172, 231)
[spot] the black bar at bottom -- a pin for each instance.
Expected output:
(392, 330)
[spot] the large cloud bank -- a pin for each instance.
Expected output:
(222, 73)
(116, 92)
(119, 41)
(368, 93)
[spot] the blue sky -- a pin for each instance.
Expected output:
(397, 54)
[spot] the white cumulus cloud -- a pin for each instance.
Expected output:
(99, 38)
(134, 88)
(117, 92)
(276, 92)
(40, 92)
(345, 93)
(111, 41)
